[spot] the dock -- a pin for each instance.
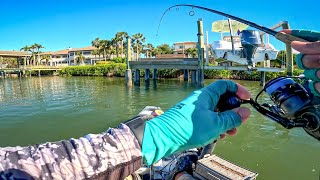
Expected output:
(26, 71)
(196, 65)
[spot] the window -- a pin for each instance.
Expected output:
(86, 53)
(181, 47)
(71, 54)
(64, 56)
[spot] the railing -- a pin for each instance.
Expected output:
(32, 68)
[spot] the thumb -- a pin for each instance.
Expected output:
(233, 118)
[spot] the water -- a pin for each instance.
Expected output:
(40, 109)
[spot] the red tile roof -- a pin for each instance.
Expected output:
(14, 53)
(89, 48)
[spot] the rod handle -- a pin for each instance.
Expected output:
(287, 38)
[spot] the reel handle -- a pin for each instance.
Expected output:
(228, 101)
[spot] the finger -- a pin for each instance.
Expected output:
(306, 47)
(243, 112)
(232, 132)
(313, 74)
(308, 35)
(233, 118)
(218, 88)
(305, 61)
(315, 88)
(222, 136)
(243, 93)
(210, 95)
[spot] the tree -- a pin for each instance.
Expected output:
(148, 50)
(79, 58)
(27, 49)
(96, 52)
(103, 45)
(120, 37)
(282, 58)
(137, 40)
(46, 57)
(38, 47)
(164, 49)
(95, 42)
(193, 52)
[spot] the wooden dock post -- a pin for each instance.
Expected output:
(289, 56)
(154, 74)
(200, 47)
(137, 77)
(263, 79)
(263, 73)
(128, 74)
(147, 75)
(194, 77)
(185, 74)
(39, 73)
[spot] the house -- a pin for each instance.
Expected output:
(180, 47)
(57, 58)
(67, 56)
(21, 56)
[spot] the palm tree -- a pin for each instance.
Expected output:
(96, 52)
(32, 49)
(120, 37)
(27, 49)
(80, 58)
(103, 45)
(95, 42)
(137, 40)
(148, 50)
(38, 47)
(193, 52)
(47, 57)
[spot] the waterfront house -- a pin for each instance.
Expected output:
(67, 56)
(181, 47)
(21, 56)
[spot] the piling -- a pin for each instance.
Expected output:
(154, 74)
(194, 76)
(137, 77)
(147, 75)
(185, 74)
(200, 75)
(128, 74)
(289, 56)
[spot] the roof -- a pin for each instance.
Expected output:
(89, 48)
(14, 53)
(185, 43)
(66, 51)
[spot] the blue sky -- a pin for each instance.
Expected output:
(60, 24)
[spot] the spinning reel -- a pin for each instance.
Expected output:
(293, 104)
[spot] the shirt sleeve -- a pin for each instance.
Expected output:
(113, 154)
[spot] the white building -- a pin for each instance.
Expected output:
(67, 56)
(180, 47)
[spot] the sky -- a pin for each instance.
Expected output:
(58, 24)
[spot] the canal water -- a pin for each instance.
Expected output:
(39, 109)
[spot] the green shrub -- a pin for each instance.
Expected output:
(118, 60)
(111, 69)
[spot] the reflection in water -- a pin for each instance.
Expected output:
(39, 109)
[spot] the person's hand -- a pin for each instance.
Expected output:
(193, 122)
(309, 57)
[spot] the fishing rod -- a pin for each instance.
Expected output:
(286, 38)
